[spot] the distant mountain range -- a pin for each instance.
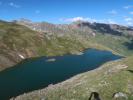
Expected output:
(82, 26)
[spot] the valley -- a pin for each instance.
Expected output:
(17, 42)
(23, 40)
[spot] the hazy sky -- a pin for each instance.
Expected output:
(65, 11)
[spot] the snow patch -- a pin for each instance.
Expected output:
(21, 56)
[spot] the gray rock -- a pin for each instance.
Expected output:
(120, 95)
(42, 99)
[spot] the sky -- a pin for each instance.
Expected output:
(67, 11)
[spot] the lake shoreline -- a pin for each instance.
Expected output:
(63, 83)
(77, 52)
(44, 71)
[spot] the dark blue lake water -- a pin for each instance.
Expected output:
(40, 72)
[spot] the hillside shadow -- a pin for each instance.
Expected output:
(129, 45)
(131, 71)
(102, 28)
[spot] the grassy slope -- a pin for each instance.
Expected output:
(116, 43)
(106, 80)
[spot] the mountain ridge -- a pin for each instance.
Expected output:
(24, 39)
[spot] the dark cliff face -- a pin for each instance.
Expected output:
(113, 29)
